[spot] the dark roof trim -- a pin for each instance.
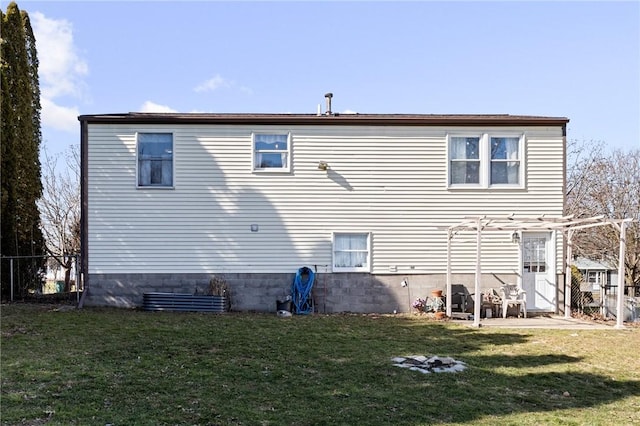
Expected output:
(336, 119)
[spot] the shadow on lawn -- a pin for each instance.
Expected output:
(456, 339)
(497, 385)
(482, 394)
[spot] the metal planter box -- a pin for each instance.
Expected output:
(184, 302)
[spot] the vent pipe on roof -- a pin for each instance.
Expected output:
(328, 96)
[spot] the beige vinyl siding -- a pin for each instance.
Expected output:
(390, 181)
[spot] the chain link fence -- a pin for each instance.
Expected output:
(602, 301)
(631, 304)
(40, 277)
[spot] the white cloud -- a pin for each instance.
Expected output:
(60, 117)
(149, 106)
(61, 71)
(212, 84)
(218, 82)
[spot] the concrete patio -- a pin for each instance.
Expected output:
(540, 321)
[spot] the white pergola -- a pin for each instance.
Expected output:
(568, 225)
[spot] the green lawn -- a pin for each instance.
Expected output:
(122, 367)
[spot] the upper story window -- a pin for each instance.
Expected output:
(351, 252)
(464, 154)
(271, 152)
(486, 161)
(155, 160)
(505, 160)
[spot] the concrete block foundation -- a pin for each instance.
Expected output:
(332, 292)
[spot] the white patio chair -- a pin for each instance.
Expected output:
(512, 295)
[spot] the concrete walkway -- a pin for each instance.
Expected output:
(541, 321)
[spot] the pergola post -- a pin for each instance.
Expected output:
(448, 299)
(478, 298)
(621, 270)
(567, 275)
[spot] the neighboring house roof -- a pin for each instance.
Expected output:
(591, 265)
(332, 119)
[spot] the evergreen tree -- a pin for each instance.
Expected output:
(20, 164)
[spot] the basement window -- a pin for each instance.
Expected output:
(351, 252)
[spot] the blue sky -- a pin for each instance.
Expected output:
(579, 60)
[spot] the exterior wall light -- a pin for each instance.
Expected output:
(515, 237)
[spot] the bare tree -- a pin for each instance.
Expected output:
(609, 186)
(582, 158)
(60, 208)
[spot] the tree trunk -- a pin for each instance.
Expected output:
(67, 276)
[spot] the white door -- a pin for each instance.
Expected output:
(538, 275)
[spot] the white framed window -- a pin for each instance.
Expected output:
(155, 160)
(351, 252)
(535, 254)
(597, 279)
(464, 160)
(505, 160)
(486, 160)
(271, 152)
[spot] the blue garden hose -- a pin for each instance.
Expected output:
(301, 291)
